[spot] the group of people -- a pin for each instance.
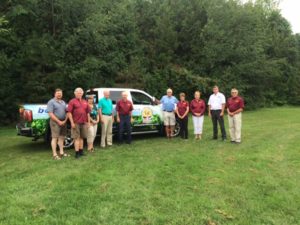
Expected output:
(84, 117)
(216, 108)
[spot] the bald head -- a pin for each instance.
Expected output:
(106, 93)
(124, 95)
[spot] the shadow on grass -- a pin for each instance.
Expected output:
(33, 146)
(42, 146)
(135, 137)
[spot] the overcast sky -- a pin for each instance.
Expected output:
(291, 11)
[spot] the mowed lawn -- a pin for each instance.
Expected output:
(156, 181)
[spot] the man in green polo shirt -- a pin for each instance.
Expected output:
(105, 107)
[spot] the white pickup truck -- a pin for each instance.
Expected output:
(147, 115)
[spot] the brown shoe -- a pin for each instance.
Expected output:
(64, 155)
(56, 157)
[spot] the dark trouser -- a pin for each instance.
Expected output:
(125, 125)
(215, 117)
(184, 127)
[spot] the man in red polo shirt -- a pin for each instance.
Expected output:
(78, 113)
(235, 107)
(124, 109)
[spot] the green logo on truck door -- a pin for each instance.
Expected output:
(145, 116)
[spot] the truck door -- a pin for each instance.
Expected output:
(146, 114)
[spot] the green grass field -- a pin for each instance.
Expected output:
(156, 181)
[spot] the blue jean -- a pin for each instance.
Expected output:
(125, 125)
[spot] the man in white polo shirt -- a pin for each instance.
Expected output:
(216, 107)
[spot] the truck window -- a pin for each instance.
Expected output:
(139, 98)
(115, 96)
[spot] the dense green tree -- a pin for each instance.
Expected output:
(151, 45)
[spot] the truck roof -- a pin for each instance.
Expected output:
(114, 89)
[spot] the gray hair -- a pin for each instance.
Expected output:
(78, 89)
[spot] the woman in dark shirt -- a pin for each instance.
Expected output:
(197, 107)
(182, 111)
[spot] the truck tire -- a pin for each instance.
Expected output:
(69, 141)
(162, 131)
(177, 128)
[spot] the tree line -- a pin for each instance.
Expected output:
(187, 45)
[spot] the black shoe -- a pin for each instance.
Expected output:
(232, 142)
(81, 153)
(214, 138)
(77, 155)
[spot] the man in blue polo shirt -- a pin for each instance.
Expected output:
(168, 106)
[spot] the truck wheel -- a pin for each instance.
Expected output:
(162, 131)
(177, 129)
(69, 141)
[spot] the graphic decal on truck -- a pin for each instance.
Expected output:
(38, 111)
(35, 117)
(39, 126)
(145, 116)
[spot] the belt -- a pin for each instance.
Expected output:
(106, 114)
(62, 120)
(215, 109)
(168, 111)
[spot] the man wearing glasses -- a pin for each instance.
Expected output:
(235, 107)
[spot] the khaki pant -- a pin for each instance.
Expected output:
(91, 133)
(235, 127)
(106, 131)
